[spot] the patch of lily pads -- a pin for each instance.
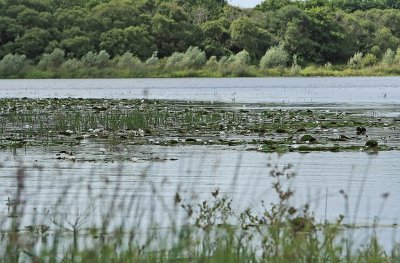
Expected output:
(43, 122)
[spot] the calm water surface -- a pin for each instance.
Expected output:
(351, 90)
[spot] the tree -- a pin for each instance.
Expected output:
(76, 46)
(246, 35)
(384, 39)
(72, 17)
(273, 5)
(9, 30)
(33, 42)
(139, 41)
(216, 36)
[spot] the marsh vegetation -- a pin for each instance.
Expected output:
(40, 122)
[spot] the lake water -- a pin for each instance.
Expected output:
(195, 171)
(351, 90)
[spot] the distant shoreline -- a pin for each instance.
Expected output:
(251, 71)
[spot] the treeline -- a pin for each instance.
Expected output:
(315, 32)
(192, 63)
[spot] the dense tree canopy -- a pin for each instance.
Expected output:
(317, 31)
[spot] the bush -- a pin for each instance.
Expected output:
(128, 60)
(355, 62)
(369, 60)
(212, 63)
(89, 60)
(397, 57)
(103, 59)
(175, 61)
(227, 60)
(295, 70)
(242, 58)
(12, 65)
(194, 58)
(274, 57)
(72, 65)
(388, 58)
(53, 60)
(153, 59)
(376, 50)
(328, 66)
(92, 59)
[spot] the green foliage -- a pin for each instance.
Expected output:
(212, 63)
(175, 60)
(369, 60)
(153, 60)
(193, 58)
(275, 57)
(89, 59)
(243, 58)
(128, 60)
(247, 35)
(355, 62)
(388, 58)
(52, 61)
(12, 65)
(397, 57)
(100, 60)
(76, 46)
(295, 70)
(72, 65)
(33, 42)
(318, 31)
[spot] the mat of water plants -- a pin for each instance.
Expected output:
(260, 127)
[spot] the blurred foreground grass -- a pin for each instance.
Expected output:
(207, 231)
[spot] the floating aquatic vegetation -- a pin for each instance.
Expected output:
(34, 122)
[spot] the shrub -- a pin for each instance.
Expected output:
(92, 59)
(153, 59)
(369, 60)
(274, 57)
(89, 59)
(53, 60)
(103, 59)
(212, 63)
(242, 58)
(388, 57)
(328, 66)
(397, 57)
(72, 65)
(295, 70)
(194, 58)
(175, 60)
(128, 60)
(13, 64)
(355, 62)
(225, 60)
(376, 50)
